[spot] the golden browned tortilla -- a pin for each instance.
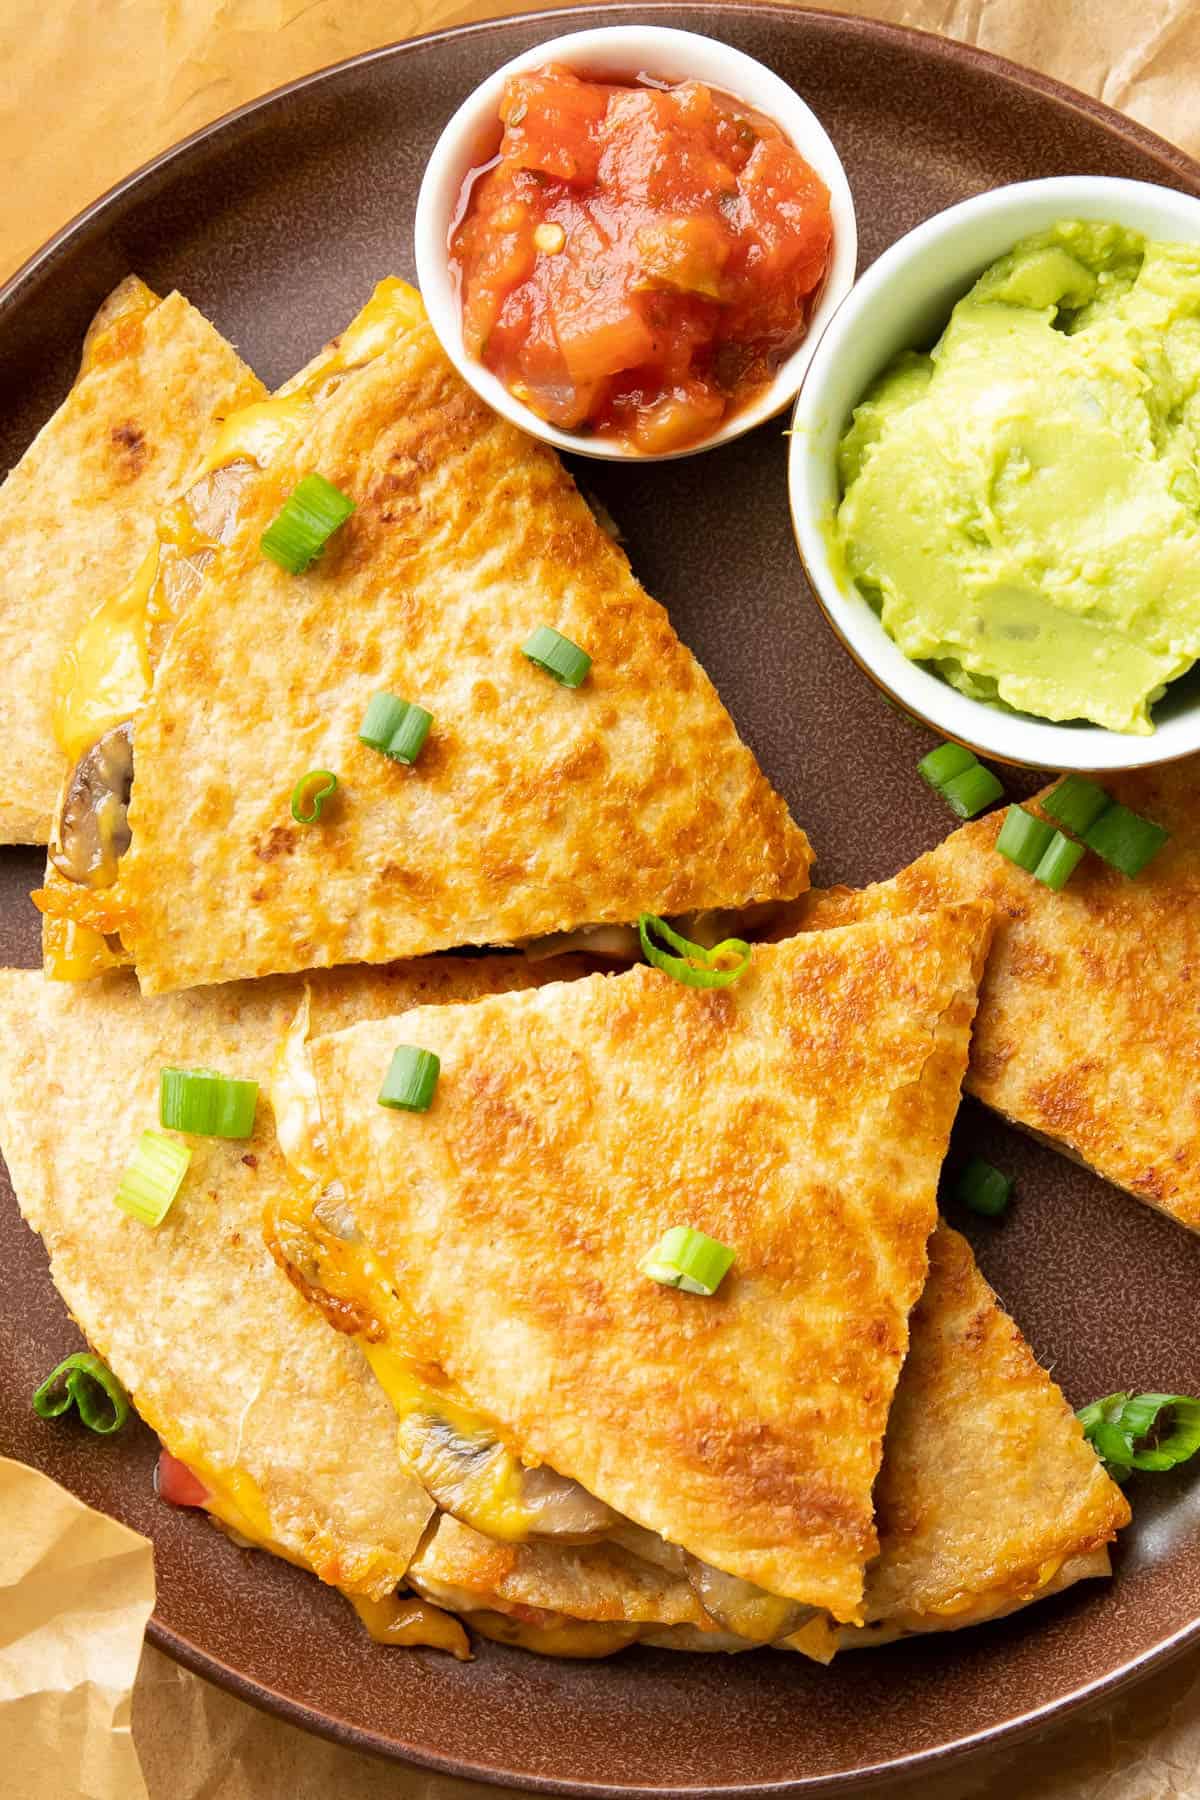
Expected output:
(281, 1419)
(492, 1245)
(988, 1499)
(77, 512)
(532, 809)
(1089, 1015)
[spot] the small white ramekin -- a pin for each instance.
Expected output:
(623, 52)
(902, 303)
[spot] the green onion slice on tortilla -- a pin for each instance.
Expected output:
(550, 651)
(310, 515)
(690, 963)
(153, 1177)
(688, 1260)
(411, 1079)
(310, 794)
(206, 1104)
(87, 1384)
(396, 728)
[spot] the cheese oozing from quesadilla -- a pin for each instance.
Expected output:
(989, 1498)
(1088, 1032)
(105, 673)
(278, 1418)
(533, 808)
(485, 1255)
(77, 511)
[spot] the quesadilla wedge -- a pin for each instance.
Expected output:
(105, 673)
(486, 1253)
(989, 1498)
(77, 512)
(277, 1417)
(533, 808)
(1088, 1032)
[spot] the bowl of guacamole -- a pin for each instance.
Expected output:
(995, 473)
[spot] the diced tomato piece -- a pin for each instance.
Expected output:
(552, 122)
(174, 1481)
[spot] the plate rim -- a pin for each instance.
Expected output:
(1175, 163)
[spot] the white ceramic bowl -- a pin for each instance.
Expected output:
(902, 303)
(616, 52)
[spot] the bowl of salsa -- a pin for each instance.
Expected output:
(630, 240)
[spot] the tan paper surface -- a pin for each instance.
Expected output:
(76, 1590)
(88, 90)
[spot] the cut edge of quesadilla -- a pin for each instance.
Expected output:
(1089, 1012)
(466, 537)
(106, 673)
(77, 510)
(853, 1043)
(989, 1500)
(279, 1422)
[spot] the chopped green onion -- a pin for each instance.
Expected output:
(409, 1083)
(89, 1385)
(1076, 803)
(1062, 858)
(1125, 840)
(694, 966)
(304, 525)
(310, 794)
(944, 763)
(557, 655)
(396, 728)
(968, 793)
(153, 1177)
(983, 1188)
(1023, 839)
(206, 1104)
(1124, 1430)
(688, 1260)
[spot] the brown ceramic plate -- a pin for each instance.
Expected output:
(276, 222)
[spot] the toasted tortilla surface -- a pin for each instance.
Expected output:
(77, 512)
(221, 1356)
(799, 1116)
(532, 809)
(1089, 1015)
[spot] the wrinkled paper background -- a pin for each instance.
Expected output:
(88, 90)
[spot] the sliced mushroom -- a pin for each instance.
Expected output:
(333, 1211)
(747, 1611)
(213, 501)
(93, 822)
(477, 1480)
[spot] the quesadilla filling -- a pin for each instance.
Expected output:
(106, 675)
(454, 1450)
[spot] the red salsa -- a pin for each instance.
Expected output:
(637, 261)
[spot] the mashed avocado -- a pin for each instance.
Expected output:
(1022, 505)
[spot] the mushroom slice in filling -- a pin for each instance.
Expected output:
(92, 833)
(472, 1476)
(745, 1610)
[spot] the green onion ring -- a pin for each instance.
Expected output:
(1118, 1424)
(310, 794)
(89, 1385)
(694, 966)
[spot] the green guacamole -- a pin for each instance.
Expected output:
(1022, 505)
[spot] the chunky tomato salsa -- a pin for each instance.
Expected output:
(637, 261)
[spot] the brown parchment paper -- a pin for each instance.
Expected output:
(88, 90)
